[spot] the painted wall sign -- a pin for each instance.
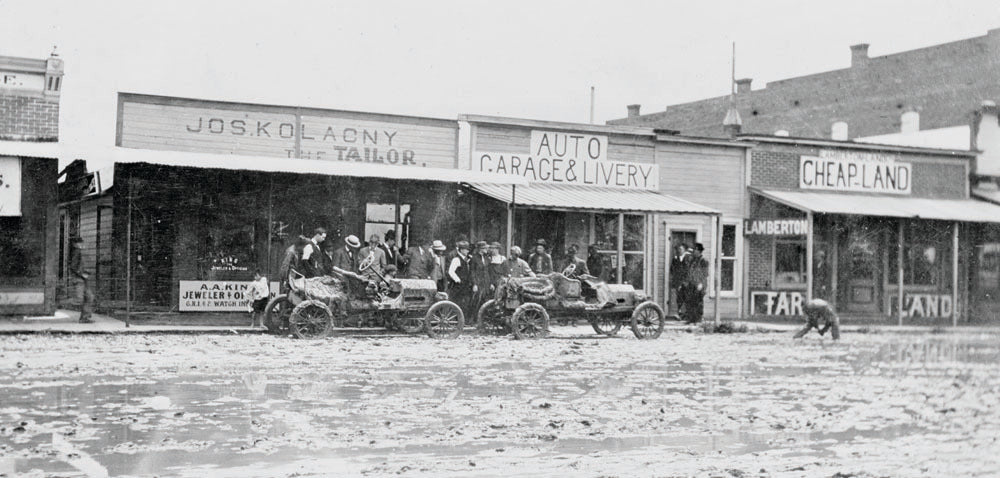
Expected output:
(18, 80)
(287, 135)
(858, 172)
(781, 303)
(569, 158)
(776, 227)
(935, 306)
(216, 296)
(10, 186)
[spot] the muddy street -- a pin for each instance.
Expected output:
(688, 404)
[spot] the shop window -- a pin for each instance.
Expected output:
(628, 249)
(988, 267)
(789, 263)
(728, 258)
(633, 270)
(381, 218)
(926, 255)
(635, 233)
(20, 255)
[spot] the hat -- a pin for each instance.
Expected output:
(572, 248)
(352, 241)
(495, 245)
(462, 245)
(438, 245)
(482, 244)
(373, 238)
(699, 246)
(541, 242)
(390, 234)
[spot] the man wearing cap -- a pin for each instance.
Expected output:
(438, 268)
(459, 284)
(479, 273)
(420, 260)
(579, 265)
(373, 249)
(80, 280)
(517, 267)
(540, 261)
(696, 280)
(346, 257)
(313, 260)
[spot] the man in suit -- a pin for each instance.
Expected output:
(346, 257)
(313, 259)
(479, 274)
(678, 277)
(390, 250)
(419, 260)
(373, 249)
(696, 284)
(540, 261)
(438, 270)
(80, 279)
(579, 265)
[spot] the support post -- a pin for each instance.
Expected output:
(809, 256)
(718, 266)
(128, 255)
(834, 265)
(270, 225)
(651, 258)
(899, 276)
(510, 218)
(621, 245)
(954, 275)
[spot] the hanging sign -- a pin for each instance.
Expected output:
(776, 227)
(856, 172)
(569, 158)
(10, 186)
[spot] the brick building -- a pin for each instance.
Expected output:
(29, 130)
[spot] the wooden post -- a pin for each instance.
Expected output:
(510, 217)
(621, 245)
(899, 263)
(834, 265)
(270, 224)
(718, 265)
(651, 258)
(954, 275)
(809, 256)
(128, 255)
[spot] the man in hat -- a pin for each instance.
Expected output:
(459, 283)
(346, 257)
(420, 260)
(579, 265)
(540, 261)
(292, 260)
(438, 268)
(479, 273)
(516, 266)
(678, 273)
(695, 285)
(313, 259)
(498, 265)
(80, 279)
(389, 249)
(373, 249)
(816, 310)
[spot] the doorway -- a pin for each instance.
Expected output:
(677, 237)
(861, 277)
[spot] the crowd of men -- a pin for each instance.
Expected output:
(468, 272)
(688, 281)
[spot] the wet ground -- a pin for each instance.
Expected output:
(688, 404)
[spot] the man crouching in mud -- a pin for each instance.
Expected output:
(815, 310)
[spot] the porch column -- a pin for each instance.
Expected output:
(809, 256)
(621, 244)
(899, 278)
(954, 275)
(718, 264)
(510, 218)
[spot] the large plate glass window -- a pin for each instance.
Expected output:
(789, 263)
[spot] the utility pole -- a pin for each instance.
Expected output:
(591, 105)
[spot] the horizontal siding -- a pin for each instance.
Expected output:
(509, 139)
(708, 176)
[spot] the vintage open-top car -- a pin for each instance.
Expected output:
(523, 306)
(314, 306)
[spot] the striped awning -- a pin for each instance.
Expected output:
(567, 197)
(961, 210)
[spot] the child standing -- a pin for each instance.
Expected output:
(259, 294)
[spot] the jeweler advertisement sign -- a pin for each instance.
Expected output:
(569, 158)
(217, 296)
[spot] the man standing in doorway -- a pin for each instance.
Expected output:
(678, 277)
(696, 280)
(313, 259)
(80, 280)
(438, 271)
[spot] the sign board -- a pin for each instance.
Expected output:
(569, 158)
(10, 186)
(283, 132)
(216, 296)
(776, 227)
(934, 306)
(855, 172)
(781, 303)
(18, 80)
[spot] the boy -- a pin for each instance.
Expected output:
(815, 310)
(259, 294)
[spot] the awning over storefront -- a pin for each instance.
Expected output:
(987, 194)
(962, 210)
(556, 196)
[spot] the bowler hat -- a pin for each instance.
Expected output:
(699, 246)
(482, 245)
(462, 245)
(542, 242)
(352, 241)
(438, 245)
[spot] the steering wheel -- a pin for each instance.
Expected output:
(367, 262)
(569, 270)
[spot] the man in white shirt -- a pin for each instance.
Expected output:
(459, 285)
(313, 259)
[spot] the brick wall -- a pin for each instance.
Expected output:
(29, 118)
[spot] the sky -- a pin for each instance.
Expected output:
(528, 59)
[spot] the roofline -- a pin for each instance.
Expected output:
(531, 123)
(759, 138)
(674, 138)
(23, 65)
(124, 96)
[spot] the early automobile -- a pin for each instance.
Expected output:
(523, 306)
(313, 307)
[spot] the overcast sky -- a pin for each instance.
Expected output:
(531, 59)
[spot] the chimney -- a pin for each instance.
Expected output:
(859, 55)
(633, 110)
(838, 131)
(732, 125)
(743, 85)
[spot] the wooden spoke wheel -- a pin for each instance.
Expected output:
(491, 319)
(530, 321)
(311, 320)
(605, 324)
(648, 321)
(444, 320)
(276, 314)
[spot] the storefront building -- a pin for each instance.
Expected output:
(884, 233)
(29, 132)
(200, 194)
(602, 188)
